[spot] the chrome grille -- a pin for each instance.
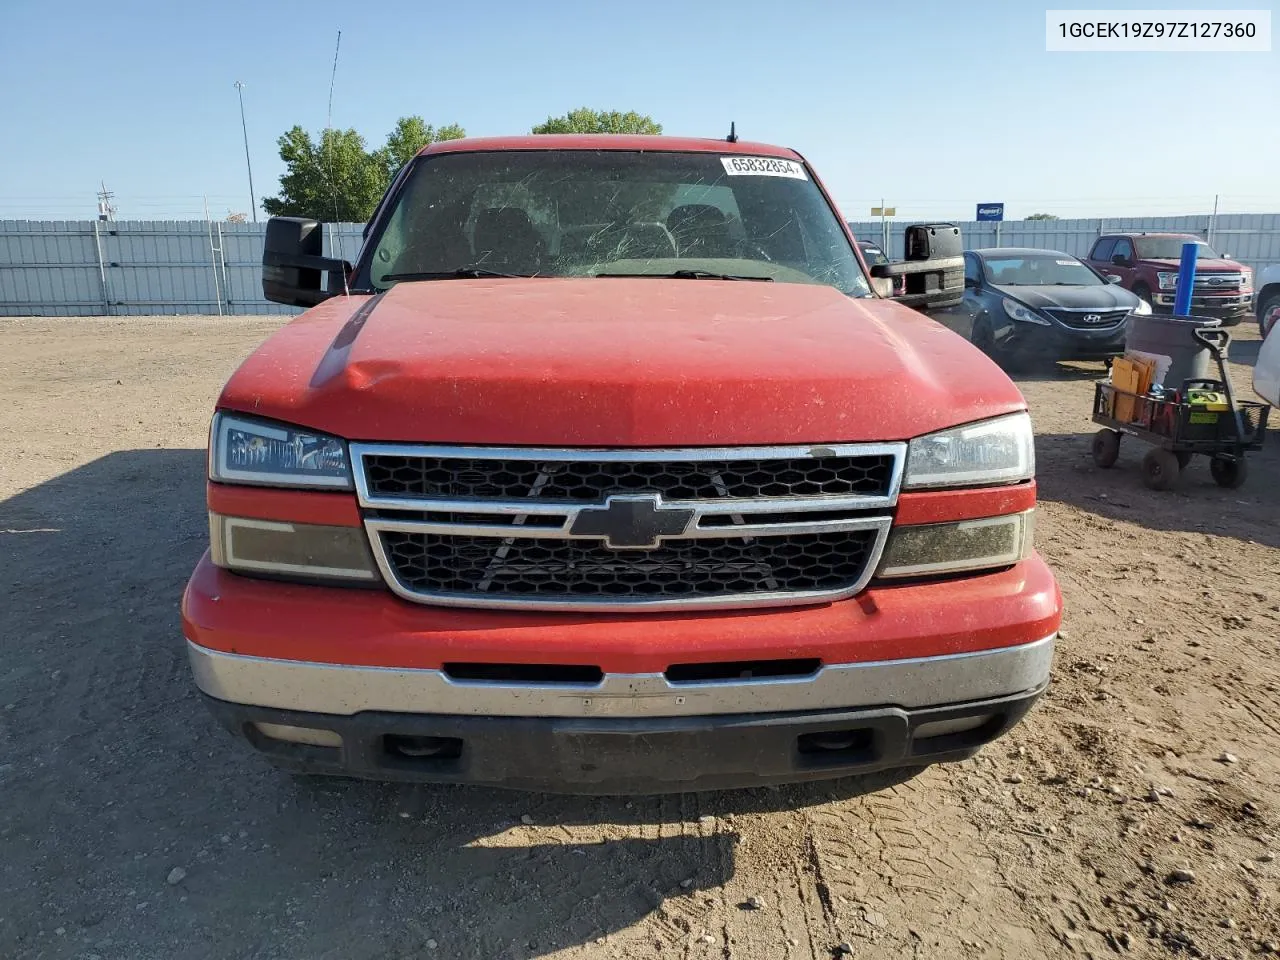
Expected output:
(1084, 319)
(1218, 282)
(627, 529)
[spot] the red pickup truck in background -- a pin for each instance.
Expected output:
(1147, 264)
(604, 469)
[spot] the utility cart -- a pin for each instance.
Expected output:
(1201, 417)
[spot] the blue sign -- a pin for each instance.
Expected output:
(991, 211)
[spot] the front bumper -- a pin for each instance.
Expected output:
(333, 690)
(1060, 342)
(631, 755)
(358, 682)
(1233, 306)
(229, 613)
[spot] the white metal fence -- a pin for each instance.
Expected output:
(129, 268)
(1251, 238)
(68, 268)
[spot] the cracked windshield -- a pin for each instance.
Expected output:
(552, 213)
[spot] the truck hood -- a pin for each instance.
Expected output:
(1214, 265)
(1109, 296)
(618, 362)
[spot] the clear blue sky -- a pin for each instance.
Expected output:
(933, 105)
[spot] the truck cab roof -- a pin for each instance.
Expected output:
(610, 141)
(1150, 233)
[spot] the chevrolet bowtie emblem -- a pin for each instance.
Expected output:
(631, 523)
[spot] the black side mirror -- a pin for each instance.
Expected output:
(293, 263)
(1120, 260)
(933, 268)
(970, 283)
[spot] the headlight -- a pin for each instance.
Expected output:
(290, 549)
(1246, 280)
(994, 451)
(1168, 281)
(1017, 311)
(1143, 309)
(242, 450)
(935, 548)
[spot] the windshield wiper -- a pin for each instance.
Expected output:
(461, 273)
(690, 275)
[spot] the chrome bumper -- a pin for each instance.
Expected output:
(345, 690)
(1240, 301)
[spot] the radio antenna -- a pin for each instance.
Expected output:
(328, 139)
(733, 132)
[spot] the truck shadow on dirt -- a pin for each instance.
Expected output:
(134, 824)
(1050, 371)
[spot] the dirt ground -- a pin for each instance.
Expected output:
(132, 827)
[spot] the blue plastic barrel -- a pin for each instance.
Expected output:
(1186, 280)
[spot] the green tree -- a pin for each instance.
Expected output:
(1041, 216)
(586, 120)
(330, 180)
(411, 135)
(339, 178)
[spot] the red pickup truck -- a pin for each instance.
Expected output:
(604, 469)
(1147, 264)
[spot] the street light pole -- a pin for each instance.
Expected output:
(253, 202)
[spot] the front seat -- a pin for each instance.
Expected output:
(506, 239)
(700, 230)
(645, 241)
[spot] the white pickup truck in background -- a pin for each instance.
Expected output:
(1268, 298)
(1266, 372)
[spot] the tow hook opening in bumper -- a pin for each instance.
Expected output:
(409, 752)
(838, 746)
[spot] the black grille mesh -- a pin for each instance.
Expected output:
(591, 482)
(585, 569)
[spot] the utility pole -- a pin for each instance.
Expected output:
(253, 202)
(106, 209)
(884, 213)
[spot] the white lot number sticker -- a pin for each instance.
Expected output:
(762, 167)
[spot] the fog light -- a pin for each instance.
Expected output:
(317, 738)
(942, 728)
(935, 548)
(290, 549)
